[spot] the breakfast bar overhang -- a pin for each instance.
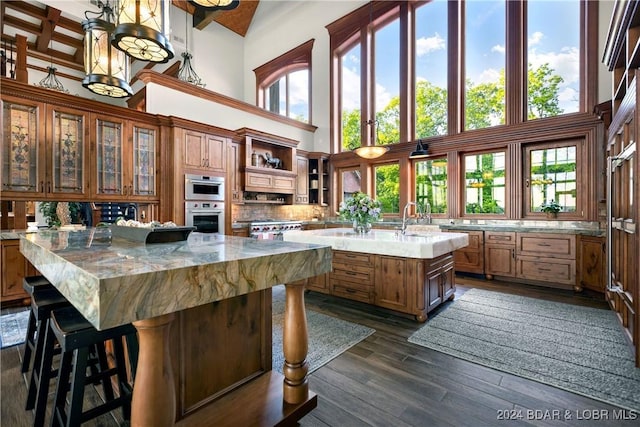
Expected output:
(114, 282)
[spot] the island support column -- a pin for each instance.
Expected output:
(295, 346)
(154, 393)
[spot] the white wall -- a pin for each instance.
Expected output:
(605, 8)
(290, 25)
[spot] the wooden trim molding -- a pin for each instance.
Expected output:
(149, 76)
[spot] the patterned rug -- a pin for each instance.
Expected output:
(13, 328)
(328, 336)
(579, 349)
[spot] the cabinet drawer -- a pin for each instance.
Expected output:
(547, 269)
(352, 257)
(499, 237)
(353, 272)
(547, 245)
(352, 291)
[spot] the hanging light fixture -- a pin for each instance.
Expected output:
(215, 4)
(142, 30)
(186, 73)
(372, 151)
(50, 81)
(420, 152)
(106, 67)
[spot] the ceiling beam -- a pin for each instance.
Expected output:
(48, 25)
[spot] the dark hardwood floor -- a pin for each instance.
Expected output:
(387, 381)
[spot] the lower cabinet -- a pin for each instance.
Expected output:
(353, 276)
(591, 265)
(14, 269)
(499, 254)
(470, 259)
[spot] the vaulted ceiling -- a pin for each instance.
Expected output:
(53, 36)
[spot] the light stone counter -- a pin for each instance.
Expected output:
(113, 282)
(415, 244)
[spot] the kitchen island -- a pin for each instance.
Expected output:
(213, 367)
(410, 273)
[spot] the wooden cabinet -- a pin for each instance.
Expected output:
(302, 181)
(499, 254)
(547, 257)
(318, 179)
(353, 276)
(591, 257)
(439, 281)
(318, 283)
(470, 259)
(393, 282)
(234, 174)
(240, 232)
(14, 269)
(126, 159)
(264, 176)
(44, 152)
(203, 151)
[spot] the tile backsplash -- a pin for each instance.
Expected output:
(256, 211)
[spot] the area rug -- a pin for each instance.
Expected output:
(579, 349)
(328, 336)
(13, 328)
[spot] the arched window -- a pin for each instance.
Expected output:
(284, 84)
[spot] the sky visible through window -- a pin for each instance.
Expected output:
(553, 38)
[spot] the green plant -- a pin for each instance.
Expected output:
(551, 207)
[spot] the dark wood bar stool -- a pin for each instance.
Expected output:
(43, 302)
(31, 285)
(78, 339)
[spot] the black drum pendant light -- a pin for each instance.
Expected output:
(106, 67)
(142, 30)
(420, 152)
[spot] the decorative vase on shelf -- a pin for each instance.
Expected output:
(361, 226)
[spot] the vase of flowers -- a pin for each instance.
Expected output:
(362, 210)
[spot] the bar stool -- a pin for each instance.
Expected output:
(32, 284)
(78, 339)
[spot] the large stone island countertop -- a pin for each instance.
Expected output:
(414, 244)
(113, 281)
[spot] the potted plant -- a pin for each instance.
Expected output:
(551, 209)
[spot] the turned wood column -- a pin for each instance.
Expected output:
(154, 394)
(295, 346)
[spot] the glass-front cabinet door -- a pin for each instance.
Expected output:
(23, 166)
(144, 161)
(485, 182)
(109, 157)
(552, 178)
(67, 165)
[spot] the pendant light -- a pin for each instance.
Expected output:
(212, 5)
(186, 73)
(372, 151)
(106, 67)
(420, 152)
(142, 30)
(50, 81)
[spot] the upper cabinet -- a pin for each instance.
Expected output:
(203, 151)
(270, 163)
(126, 158)
(302, 181)
(44, 150)
(318, 176)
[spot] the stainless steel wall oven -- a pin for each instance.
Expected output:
(200, 187)
(207, 217)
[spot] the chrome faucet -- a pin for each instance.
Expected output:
(427, 212)
(404, 216)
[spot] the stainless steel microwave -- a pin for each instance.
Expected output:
(199, 187)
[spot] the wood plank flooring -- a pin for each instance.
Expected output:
(387, 381)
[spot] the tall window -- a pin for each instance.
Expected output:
(553, 55)
(431, 69)
(284, 84)
(485, 180)
(387, 189)
(431, 184)
(484, 39)
(410, 44)
(350, 98)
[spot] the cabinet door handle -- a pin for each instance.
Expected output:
(543, 244)
(544, 269)
(350, 273)
(351, 291)
(526, 182)
(48, 186)
(513, 253)
(42, 186)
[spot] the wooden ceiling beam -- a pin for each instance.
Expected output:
(38, 13)
(48, 25)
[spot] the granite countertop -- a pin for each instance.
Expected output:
(114, 281)
(420, 244)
